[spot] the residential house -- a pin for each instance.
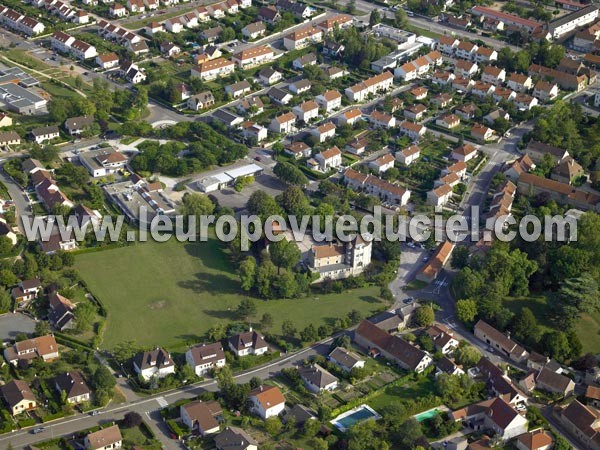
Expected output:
(521, 165)
(583, 422)
(254, 57)
(26, 291)
(408, 155)
(592, 396)
(5, 121)
(494, 75)
(349, 117)
(100, 163)
(61, 314)
(317, 379)
(156, 363)
(9, 138)
(329, 100)
(268, 76)
(254, 30)
(215, 68)
(446, 365)
(300, 86)
(169, 49)
(104, 439)
(442, 100)
(298, 150)
(494, 115)
(533, 185)
(18, 397)
(253, 131)
(284, 123)
(447, 45)
(201, 416)
(377, 83)
(77, 125)
(413, 130)
(436, 263)
(500, 341)
(108, 60)
(448, 121)
(22, 352)
(503, 94)
(201, 101)
(415, 112)
(266, 401)
(339, 21)
(117, 10)
(536, 151)
(419, 93)
(443, 339)
(269, 14)
(310, 59)
(538, 439)
(466, 50)
(443, 78)
(306, 111)
(382, 164)
(567, 171)
(324, 131)
(519, 82)
(555, 383)
(329, 159)
(466, 112)
(74, 387)
(481, 133)
(393, 348)
(43, 134)
(248, 343)
(482, 89)
(238, 89)
(280, 96)
(205, 357)
(545, 91)
(378, 187)
(525, 101)
(345, 359)
(464, 153)
(495, 415)
(302, 38)
(465, 69)
(234, 438)
(380, 119)
(486, 55)
(357, 146)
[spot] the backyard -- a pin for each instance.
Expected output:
(171, 293)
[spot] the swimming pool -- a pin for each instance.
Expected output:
(358, 414)
(430, 413)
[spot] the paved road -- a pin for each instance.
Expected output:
(22, 206)
(149, 406)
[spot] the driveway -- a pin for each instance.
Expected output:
(13, 324)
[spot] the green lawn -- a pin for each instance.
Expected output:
(587, 328)
(171, 293)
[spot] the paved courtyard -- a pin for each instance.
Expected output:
(13, 324)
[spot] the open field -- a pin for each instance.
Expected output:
(171, 293)
(588, 328)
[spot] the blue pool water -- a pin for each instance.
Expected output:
(427, 414)
(363, 413)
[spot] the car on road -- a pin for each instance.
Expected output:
(408, 301)
(426, 259)
(38, 430)
(95, 413)
(257, 158)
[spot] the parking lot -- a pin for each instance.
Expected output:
(13, 324)
(411, 260)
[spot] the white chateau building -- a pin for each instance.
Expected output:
(340, 260)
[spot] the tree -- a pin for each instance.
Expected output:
(460, 257)
(5, 301)
(424, 316)
(309, 334)
(400, 18)
(286, 285)
(246, 308)
(374, 18)
(132, 419)
(290, 174)
(310, 428)
(363, 436)
(247, 273)
(42, 328)
(273, 425)
(556, 345)
(266, 275)
(193, 204)
(85, 313)
(525, 326)
(288, 328)
(263, 205)
(284, 254)
(467, 355)
(466, 310)
(295, 202)
(103, 380)
(266, 321)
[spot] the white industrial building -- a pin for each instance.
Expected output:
(226, 178)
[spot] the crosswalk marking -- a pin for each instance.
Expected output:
(162, 402)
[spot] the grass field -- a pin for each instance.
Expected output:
(587, 328)
(171, 293)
